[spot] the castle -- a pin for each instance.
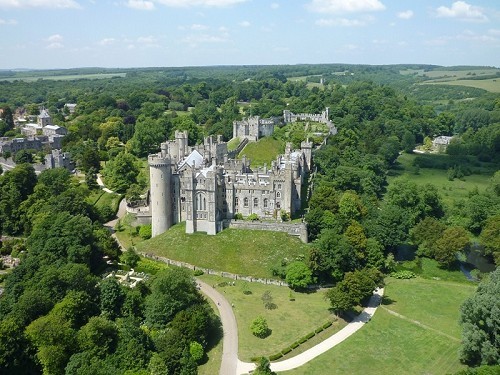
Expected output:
(205, 185)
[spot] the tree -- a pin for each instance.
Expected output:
(196, 351)
(111, 298)
(490, 238)
(259, 327)
(147, 137)
(480, 319)
(23, 156)
(425, 234)
(263, 367)
(298, 275)
(121, 172)
(130, 257)
(172, 290)
(91, 179)
(99, 336)
(408, 142)
(452, 241)
(6, 121)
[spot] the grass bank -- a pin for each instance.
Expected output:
(243, 252)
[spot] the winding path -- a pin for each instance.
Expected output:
(230, 364)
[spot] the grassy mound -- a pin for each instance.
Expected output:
(263, 151)
(243, 252)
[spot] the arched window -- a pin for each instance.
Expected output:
(278, 195)
(256, 202)
(279, 186)
(265, 202)
(204, 204)
(245, 202)
(236, 202)
(278, 205)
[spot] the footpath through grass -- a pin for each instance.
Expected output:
(290, 321)
(244, 252)
(389, 344)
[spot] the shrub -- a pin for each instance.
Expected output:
(145, 231)
(309, 335)
(259, 327)
(276, 356)
(326, 325)
(295, 345)
(238, 216)
(253, 217)
(198, 272)
(196, 351)
(403, 274)
(286, 351)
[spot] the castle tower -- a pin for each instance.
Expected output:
(306, 148)
(160, 173)
(181, 137)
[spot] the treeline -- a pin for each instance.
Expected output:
(56, 313)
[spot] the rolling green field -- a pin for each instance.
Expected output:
(264, 151)
(290, 321)
(71, 77)
(244, 252)
(424, 340)
(449, 190)
(491, 85)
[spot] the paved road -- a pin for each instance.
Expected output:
(230, 341)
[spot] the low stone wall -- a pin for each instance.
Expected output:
(209, 271)
(293, 229)
(233, 154)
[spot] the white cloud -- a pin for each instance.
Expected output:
(494, 32)
(56, 38)
(107, 41)
(55, 45)
(7, 22)
(55, 4)
(345, 6)
(198, 27)
(140, 4)
(275, 6)
(198, 3)
(406, 15)
(465, 36)
(245, 24)
(343, 22)
(195, 40)
(463, 11)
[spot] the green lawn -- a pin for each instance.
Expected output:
(244, 252)
(233, 143)
(449, 190)
(491, 85)
(264, 151)
(290, 321)
(100, 198)
(393, 345)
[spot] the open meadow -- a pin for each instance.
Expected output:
(449, 190)
(415, 331)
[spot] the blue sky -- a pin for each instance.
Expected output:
(140, 33)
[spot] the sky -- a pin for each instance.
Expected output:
(53, 34)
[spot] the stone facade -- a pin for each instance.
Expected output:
(254, 128)
(202, 186)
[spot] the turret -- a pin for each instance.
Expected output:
(160, 189)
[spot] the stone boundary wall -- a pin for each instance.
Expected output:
(293, 229)
(209, 271)
(235, 152)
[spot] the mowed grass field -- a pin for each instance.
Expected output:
(290, 321)
(491, 85)
(71, 77)
(449, 190)
(424, 340)
(244, 252)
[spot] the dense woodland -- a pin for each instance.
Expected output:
(357, 222)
